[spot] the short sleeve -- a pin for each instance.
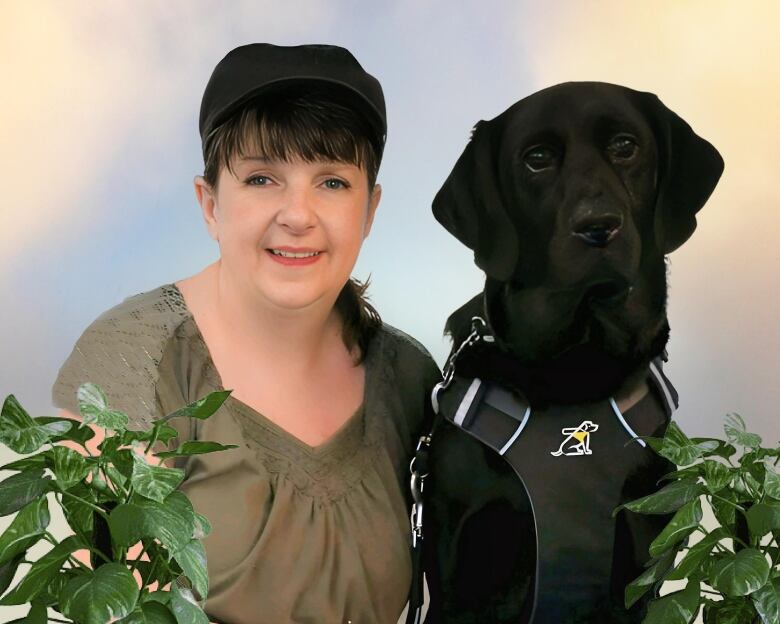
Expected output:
(120, 352)
(416, 373)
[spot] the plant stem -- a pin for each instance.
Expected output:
(720, 498)
(137, 559)
(713, 593)
(53, 540)
(723, 548)
(87, 503)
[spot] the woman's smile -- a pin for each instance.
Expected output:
(294, 256)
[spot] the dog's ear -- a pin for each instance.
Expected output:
(471, 207)
(688, 170)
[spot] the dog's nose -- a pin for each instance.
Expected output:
(598, 231)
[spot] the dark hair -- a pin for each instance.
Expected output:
(310, 124)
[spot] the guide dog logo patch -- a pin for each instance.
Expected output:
(577, 440)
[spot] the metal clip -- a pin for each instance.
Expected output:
(416, 485)
(416, 517)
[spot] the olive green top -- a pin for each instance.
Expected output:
(299, 533)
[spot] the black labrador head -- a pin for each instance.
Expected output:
(570, 200)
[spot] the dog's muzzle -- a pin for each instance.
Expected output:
(598, 231)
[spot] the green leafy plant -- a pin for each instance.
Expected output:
(112, 501)
(733, 570)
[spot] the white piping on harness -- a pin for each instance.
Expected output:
(517, 432)
(667, 395)
(623, 422)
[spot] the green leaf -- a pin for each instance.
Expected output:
(772, 484)
(19, 432)
(746, 486)
(8, 570)
(668, 499)
(41, 461)
(185, 608)
(724, 510)
(109, 592)
(682, 524)
(110, 445)
(677, 448)
(150, 612)
(20, 489)
(654, 443)
(172, 521)
(51, 595)
(202, 408)
(43, 571)
(73, 430)
(70, 467)
(716, 475)
(736, 432)
(163, 597)
(193, 447)
(93, 406)
(696, 554)
(25, 529)
(677, 608)
(763, 518)
(36, 615)
(740, 574)
(684, 473)
(654, 573)
(155, 482)
(192, 559)
(78, 514)
(202, 526)
(733, 611)
(767, 602)
(712, 447)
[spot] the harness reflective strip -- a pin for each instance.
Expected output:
(517, 432)
(465, 404)
(670, 406)
(623, 422)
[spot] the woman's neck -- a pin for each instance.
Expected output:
(296, 341)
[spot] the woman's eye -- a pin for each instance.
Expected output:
(335, 184)
(539, 158)
(259, 180)
(622, 147)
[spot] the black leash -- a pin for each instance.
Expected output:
(418, 469)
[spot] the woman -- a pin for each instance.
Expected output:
(309, 514)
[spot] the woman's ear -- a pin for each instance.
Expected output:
(207, 199)
(373, 204)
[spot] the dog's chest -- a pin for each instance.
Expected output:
(576, 465)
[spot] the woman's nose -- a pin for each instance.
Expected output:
(296, 210)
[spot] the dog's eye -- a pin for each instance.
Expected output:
(539, 158)
(622, 147)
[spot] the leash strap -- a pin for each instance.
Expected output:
(418, 469)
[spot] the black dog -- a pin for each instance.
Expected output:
(570, 200)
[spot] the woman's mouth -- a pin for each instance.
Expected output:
(294, 257)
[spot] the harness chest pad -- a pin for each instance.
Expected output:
(572, 466)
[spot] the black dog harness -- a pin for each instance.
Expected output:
(573, 462)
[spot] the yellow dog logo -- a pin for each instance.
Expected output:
(577, 441)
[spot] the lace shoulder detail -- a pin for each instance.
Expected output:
(121, 351)
(403, 338)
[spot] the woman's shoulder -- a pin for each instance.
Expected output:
(120, 351)
(407, 355)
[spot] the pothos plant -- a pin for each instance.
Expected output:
(112, 501)
(733, 569)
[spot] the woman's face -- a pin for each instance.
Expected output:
(289, 231)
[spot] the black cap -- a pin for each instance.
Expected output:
(251, 69)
